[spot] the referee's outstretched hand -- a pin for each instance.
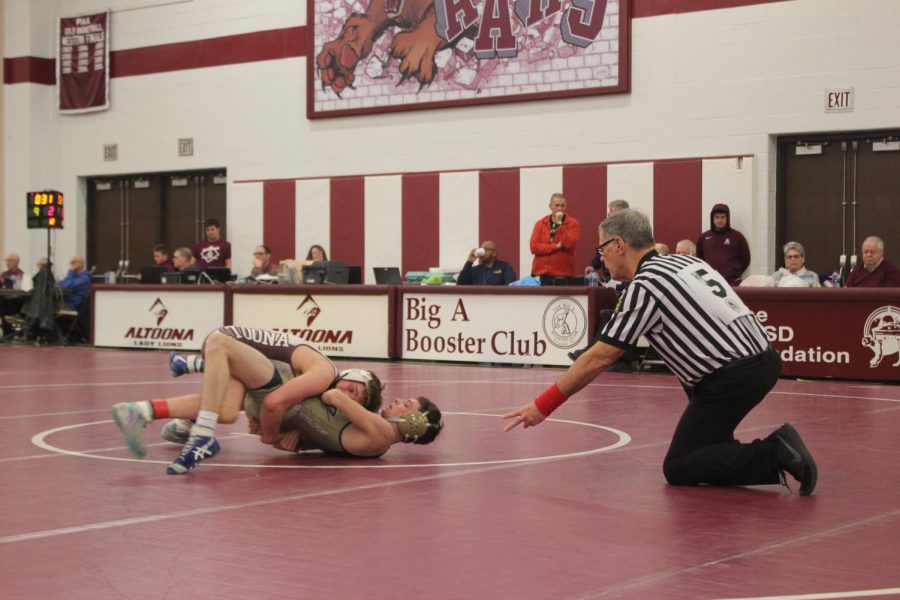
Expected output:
(528, 415)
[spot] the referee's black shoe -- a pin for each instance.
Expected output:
(794, 458)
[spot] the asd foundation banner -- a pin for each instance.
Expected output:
(82, 64)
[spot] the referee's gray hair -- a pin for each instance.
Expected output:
(631, 226)
(796, 246)
(879, 243)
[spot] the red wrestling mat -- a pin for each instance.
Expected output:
(575, 508)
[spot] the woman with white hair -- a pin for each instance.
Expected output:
(794, 273)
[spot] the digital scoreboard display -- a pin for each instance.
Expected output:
(45, 210)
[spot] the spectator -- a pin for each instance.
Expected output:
(661, 249)
(686, 247)
(597, 262)
(316, 254)
(553, 242)
(262, 262)
(723, 248)
(77, 282)
(183, 260)
(161, 258)
(489, 271)
(874, 270)
(794, 273)
(11, 278)
(213, 251)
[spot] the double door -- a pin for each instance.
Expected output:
(129, 215)
(836, 190)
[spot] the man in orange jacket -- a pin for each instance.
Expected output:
(553, 242)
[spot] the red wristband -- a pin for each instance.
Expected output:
(549, 400)
(160, 409)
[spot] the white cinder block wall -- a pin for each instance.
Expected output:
(709, 83)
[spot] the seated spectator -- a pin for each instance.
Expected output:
(661, 249)
(686, 247)
(11, 279)
(77, 282)
(794, 273)
(316, 254)
(597, 262)
(262, 262)
(874, 271)
(489, 271)
(183, 260)
(213, 251)
(161, 258)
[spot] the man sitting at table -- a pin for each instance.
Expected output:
(10, 279)
(77, 283)
(874, 271)
(489, 271)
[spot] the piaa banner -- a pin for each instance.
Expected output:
(82, 66)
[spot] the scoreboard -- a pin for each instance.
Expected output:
(45, 210)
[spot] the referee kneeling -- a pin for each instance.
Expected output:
(710, 340)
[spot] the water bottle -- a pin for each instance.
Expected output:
(292, 273)
(592, 279)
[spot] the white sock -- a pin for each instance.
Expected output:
(206, 420)
(145, 409)
(194, 363)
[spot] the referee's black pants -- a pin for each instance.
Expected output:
(703, 448)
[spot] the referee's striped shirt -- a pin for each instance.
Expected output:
(689, 315)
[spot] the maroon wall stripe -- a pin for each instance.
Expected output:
(585, 189)
(348, 231)
(677, 201)
(421, 221)
(278, 218)
(228, 50)
(653, 8)
(265, 45)
(29, 69)
(498, 215)
(214, 52)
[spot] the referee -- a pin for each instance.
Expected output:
(714, 345)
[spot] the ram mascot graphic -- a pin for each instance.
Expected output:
(881, 335)
(423, 28)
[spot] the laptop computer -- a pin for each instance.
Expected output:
(387, 275)
(218, 274)
(152, 274)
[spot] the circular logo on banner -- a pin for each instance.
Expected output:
(565, 322)
(881, 335)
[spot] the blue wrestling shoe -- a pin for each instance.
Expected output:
(128, 417)
(178, 364)
(177, 431)
(197, 449)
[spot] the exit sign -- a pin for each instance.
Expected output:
(840, 100)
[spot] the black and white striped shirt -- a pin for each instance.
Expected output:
(689, 315)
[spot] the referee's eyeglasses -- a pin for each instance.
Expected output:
(604, 244)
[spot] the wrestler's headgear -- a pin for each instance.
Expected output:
(373, 386)
(412, 425)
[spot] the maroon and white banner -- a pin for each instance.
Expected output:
(82, 64)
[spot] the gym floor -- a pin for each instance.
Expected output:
(575, 508)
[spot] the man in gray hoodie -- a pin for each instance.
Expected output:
(724, 248)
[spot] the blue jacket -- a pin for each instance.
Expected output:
(79, 284)
(501, 273)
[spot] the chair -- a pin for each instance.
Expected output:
(68, 320)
